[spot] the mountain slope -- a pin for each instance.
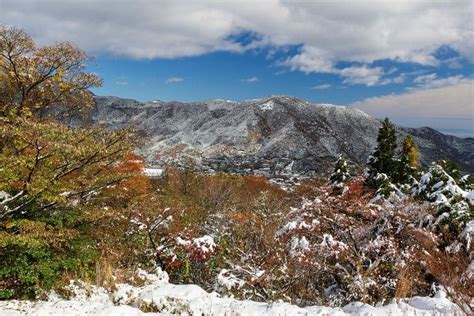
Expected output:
(271, 135)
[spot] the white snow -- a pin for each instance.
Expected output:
(330, 242)
(468, 234)
(299, 246)
(470, 196)
(267, 106)
(153, 172)
(169, 299)
(4, 195)
(229, 280)
(181, 242)
(205, 244)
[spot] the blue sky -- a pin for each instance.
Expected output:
(411, 60)
(249, 75)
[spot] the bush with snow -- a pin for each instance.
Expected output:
(340, 176)
(455, 205)
(385, 187)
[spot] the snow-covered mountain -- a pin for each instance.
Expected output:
(273, 135)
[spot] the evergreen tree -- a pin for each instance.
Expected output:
(340, 174)
(385, 187)
(454, 204)
(467, 182)
(382, 160)
(451, 167)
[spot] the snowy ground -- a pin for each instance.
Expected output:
(163, 298)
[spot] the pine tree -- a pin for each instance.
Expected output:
(467, 182)
(340, 174)
(382, 160)
(451, 167)
(438, 185)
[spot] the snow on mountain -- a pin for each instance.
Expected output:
(265, 134)
(267, 106)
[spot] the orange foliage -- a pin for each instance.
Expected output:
(136, 183)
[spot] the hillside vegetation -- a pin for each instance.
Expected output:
(74, 204)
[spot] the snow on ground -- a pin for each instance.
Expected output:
(159, 297)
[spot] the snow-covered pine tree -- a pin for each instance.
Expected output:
(455, 205)
(382, 160)
(452, 168)
(385, 187)
(340, 175)
(466, 182)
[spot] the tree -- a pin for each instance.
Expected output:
(410, 150)
(38, 156)
(408, 164)
(451, 167)
(48, 164)
(35, 79)
(454, 204)
(382, 160)
(340, 175)
(52, 177)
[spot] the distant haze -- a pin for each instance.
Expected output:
(447, 109)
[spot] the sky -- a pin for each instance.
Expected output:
(412, 61)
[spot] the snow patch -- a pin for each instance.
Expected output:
(152, 172)
(162, 298)
(228, 280)
(267, 106)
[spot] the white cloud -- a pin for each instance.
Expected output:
(432, 81)
(310, 59)
(425, 78)
(369, 76)
(455, 101)
(392, 71)
(396, 80)
(362, 75)
(365, 75)
(399, 79)
(321, 87)
(250, 80)
(174, 80)
(327, 31)
(453, 63)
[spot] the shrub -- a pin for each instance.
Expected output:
(34, 254)
(454, 205)
(340, 175)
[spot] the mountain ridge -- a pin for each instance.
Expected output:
(264, 135)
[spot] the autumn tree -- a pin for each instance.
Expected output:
(408, 164)
(36, 79)
(42, 161)
(50, 174)
(46, 164)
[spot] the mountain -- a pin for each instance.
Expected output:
(274, 135)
